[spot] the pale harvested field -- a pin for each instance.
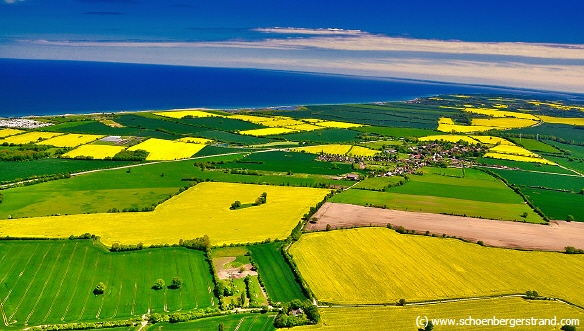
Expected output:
(494, 233)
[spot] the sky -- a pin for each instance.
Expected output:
(521, 43)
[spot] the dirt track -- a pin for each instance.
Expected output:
(554, 237)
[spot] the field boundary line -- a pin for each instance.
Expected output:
(29, 285)
(438, 301)
(76, 285)
(61, 283)
(44, 286)
(120, 289)
(21, 273)
(538, 172)
(92, 282)
(109, 269)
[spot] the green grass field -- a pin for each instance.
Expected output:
(526, 165)
(404, 318)
(275, 272)
(52, 281)
(378, 183)
(557, 205)
(574, 150)
(231, 322)
(12, 171)
(289, 161)
(529, 179)
(378, 265)
(535, 145)
(475, 186)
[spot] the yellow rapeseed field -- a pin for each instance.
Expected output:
(251, 118)
(394, 318)
(446, 120)
(9, 132)
(186, 112)
(378, 265)
(195, 140)
(266, 131)
(456, 128)
(335, 149)
(95, 151)
(71, 140)
(361, 151)
(338, 125)
(503, 122)
(512, 149)
(500, 113)
(201, 210)
(305, 127)
(519, 158)
(562, 120)
(490, 140)
(29, 137)
(449, 137)
(160, 149)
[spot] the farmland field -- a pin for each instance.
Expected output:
(324, 136)
(396, 132)
(557, 205)
(231, 322)
(288, 162)
(276, 274)
(9, 132)
(180, 213)
(52, 281)
(28, 137)
(70, 140)
(404, 318)
(10, 171)
(355, 266)
(94, 151)
(160, 149)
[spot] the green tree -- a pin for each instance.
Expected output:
(99, 288)
(570, 218)
(568, 328)
(328, 227)
(524, 215)
(177, 282)
(429, 326)
(221, 327)
(235, 205)
(159, 284)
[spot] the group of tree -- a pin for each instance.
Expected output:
(137, 155)
(262, 199)
(202, 243)
(573, 250)
(159, 284)
(117, 247)
(297, 313)
(24, 152)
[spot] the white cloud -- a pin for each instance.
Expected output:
(555, 67)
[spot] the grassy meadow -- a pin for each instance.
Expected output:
(53, 281)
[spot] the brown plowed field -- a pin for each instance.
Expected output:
(553, 237)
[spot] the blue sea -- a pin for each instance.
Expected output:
(43, 87)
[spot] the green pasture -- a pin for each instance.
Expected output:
(535, 145)
(12, 171)
(278, 278)
(379, 183)
(398, 132)
(572, 183)
(557, 205)
(280, 161)
(526, 165)
(231, 322)
(52, 281)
